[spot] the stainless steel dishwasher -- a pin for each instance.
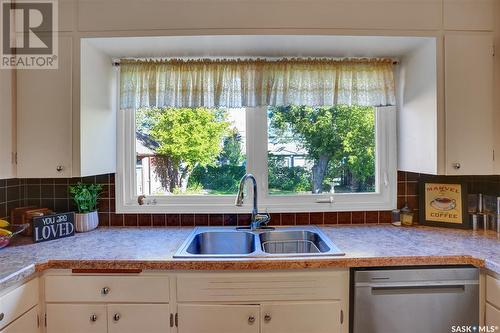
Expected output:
(414, 300)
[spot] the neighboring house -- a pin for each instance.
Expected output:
(147, 182)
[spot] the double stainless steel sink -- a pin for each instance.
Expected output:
(233, 242)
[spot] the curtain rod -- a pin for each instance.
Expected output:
(116, 63)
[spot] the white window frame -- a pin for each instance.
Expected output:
(384, 197)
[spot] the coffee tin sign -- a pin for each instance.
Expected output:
(55, 226)
(443, 204)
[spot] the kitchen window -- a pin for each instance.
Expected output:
(313, 143)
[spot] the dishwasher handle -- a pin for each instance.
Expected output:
(418, 289)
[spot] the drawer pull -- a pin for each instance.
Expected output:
(105, 290)
(116, 317)
(251, 320)
(93, 318)
(2, 315)
(267, 317)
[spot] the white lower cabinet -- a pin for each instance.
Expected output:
(492, 316)
(111, 318)
(282, 317)
(76, 318)
(134, 318)
(303, 317)
(197, 302)
(213, 318)
(27, 323)
(15, 304)
(492, 313)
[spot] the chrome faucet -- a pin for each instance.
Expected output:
(257, 220)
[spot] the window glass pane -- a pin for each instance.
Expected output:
(195, 151)
(321, 150)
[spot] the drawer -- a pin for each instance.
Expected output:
(492, 316)
(493, 291)
(102, 288)
(262, 286)
(18, 301)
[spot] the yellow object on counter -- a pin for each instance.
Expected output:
(4, 224)
(4, 232)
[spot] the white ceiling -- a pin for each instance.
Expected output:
(257, 46)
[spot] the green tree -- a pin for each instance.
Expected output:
(231, 151)
(182, 139)
(335, 136)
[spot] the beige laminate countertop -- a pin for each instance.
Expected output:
(153, 248)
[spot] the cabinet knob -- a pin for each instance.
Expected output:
(1, 316)
(59, 168)
(93, 317)
(251, 320)
(456, 166)
(105, 290)
(267, 317)
(116, 317)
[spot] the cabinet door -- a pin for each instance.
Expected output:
(195, 318)
(27, 323)
(492, 316)
(44, 118)
(493, 291)
(303, 317)
(7, 167)
(134, 318)
(76, 318)
(18, 301)
(469, 103)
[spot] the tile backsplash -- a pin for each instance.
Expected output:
(11, 196)
(53, 194)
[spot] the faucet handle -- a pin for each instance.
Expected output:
(263, 218)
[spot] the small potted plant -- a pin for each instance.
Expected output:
(85, 197)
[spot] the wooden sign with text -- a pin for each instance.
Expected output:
(55, 226)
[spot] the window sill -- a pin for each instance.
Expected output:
(293, 207)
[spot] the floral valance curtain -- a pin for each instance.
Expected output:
(253, 83)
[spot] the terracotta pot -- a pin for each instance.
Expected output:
(86, 222)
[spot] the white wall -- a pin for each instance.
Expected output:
(128, 15)
(418, 111)
(134, 18)
(97, 106)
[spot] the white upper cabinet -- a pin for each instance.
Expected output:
(468, 15)
(44, 118)
(469, 103)
(7, 166)
(66, 128)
